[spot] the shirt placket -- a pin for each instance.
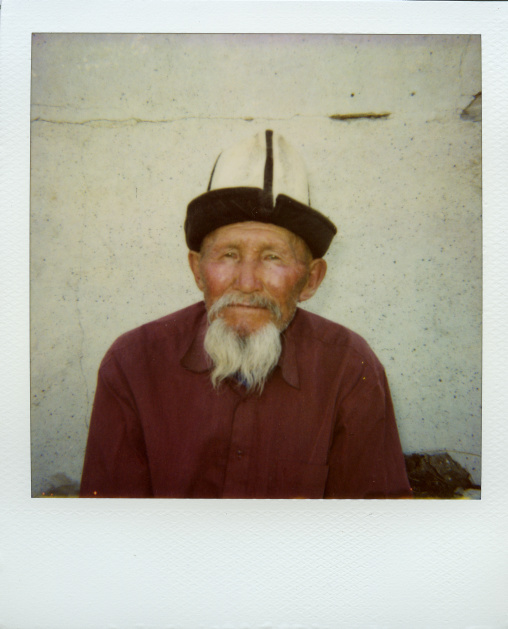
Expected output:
(236, 483)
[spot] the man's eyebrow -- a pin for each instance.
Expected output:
(232, 244)
(283, 249)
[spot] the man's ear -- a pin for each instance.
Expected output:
(194, 259)
(317, 272)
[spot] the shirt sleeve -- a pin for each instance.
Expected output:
(365, 457)
(116, 464)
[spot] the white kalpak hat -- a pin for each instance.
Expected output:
(260, 179)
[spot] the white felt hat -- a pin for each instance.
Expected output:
(245, 165)
(261, 179)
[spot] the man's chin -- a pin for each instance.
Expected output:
(247, 354)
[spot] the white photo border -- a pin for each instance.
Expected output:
(124, 563)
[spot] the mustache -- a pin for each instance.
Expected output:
(257, 301)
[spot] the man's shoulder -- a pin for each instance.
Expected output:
(331, 335)
(176, 327)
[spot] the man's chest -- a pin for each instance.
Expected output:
(203, 443)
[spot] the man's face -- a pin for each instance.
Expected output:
(251, 260)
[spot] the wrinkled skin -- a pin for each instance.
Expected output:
(250, 260)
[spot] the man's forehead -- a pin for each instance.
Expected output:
(253, 231)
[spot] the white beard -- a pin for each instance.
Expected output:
(249, 359)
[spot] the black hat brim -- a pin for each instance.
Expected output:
(226, 206)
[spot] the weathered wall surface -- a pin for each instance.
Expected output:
(125, 130)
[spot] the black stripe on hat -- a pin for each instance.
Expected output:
(213, 170)
(268, 177)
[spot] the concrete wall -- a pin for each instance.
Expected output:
(125, 130)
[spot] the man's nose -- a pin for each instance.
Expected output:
(247, 278)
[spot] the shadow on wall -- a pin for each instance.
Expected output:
(430, 476)
(61, 487)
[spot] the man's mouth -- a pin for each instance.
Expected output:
(249, 306)
(252, 303)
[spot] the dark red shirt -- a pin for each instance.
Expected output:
(323, 427)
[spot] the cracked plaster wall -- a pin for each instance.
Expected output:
(125, 130)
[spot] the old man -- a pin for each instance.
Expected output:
(245, 395)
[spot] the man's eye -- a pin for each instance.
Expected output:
(230, 254)
(272, 257)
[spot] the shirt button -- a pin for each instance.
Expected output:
(239, 454)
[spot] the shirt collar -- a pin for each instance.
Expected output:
(288, 358)
(196, 359)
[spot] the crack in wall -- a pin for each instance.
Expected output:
(77, 294)
(473, 111)
(134, 120)
(105, 121)
(82, 343)
(478, 454)
(462, 54)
